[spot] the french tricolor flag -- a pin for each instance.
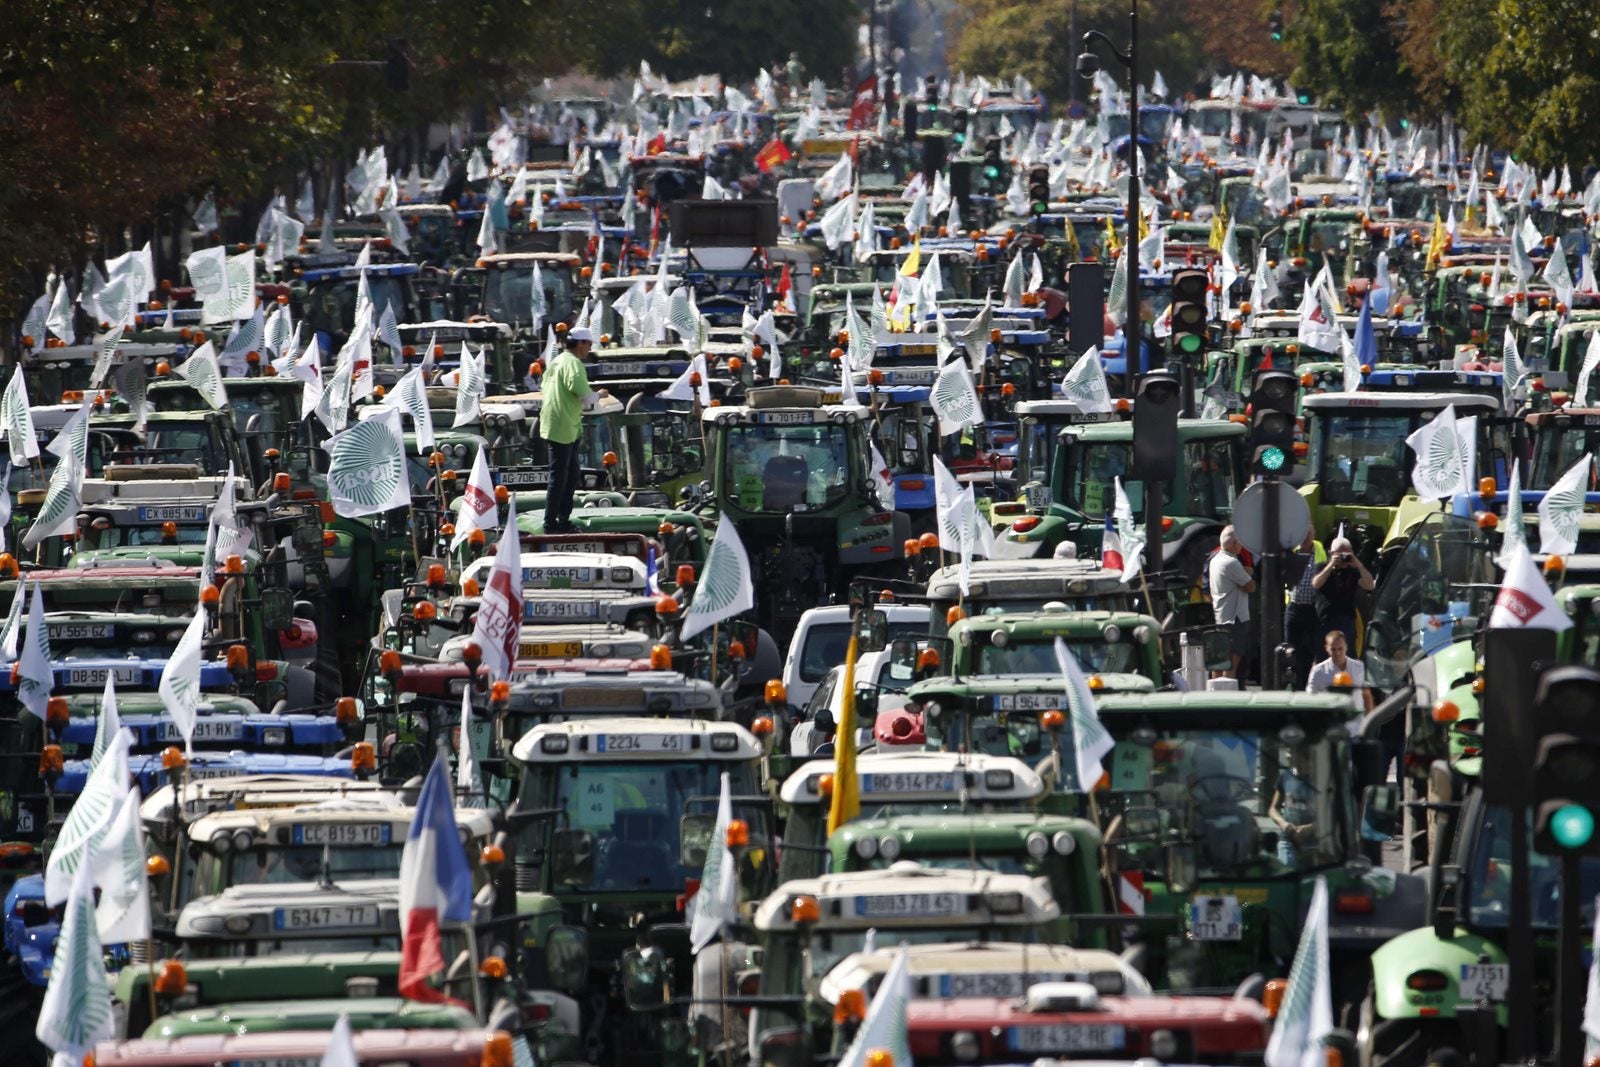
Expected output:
(1111, 546)
(435, 886)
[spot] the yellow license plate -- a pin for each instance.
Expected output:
(549, 649)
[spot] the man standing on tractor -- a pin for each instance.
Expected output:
(565, 388)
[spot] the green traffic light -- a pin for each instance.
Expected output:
(1189, 343)
(1572, 825)
(991, 172)
(1272, 458)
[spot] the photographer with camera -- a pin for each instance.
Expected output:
(1337, 586)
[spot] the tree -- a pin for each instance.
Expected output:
(734, 38)
(1348, 54)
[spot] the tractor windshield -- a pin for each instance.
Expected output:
(783, 467)
(1361, 457)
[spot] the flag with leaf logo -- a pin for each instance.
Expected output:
(1562, 508)
(1305, 1018)
(884, 1028)
(1516, 530)
(367, 467)
(16, 420)
(59, 512)
(470, 386)
(180, 679)
(725, 589)
(11, 631)
(1085, 383)
(1090, 741)
(1444, 455)
(202, 371)
(88, 819)
(76, 1012)
(410, 396)
(123, 914)
(954, 398)
(35, 677)
(107, 728)
(716, 905)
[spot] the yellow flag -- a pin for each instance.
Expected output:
(1144, 226)
(913, 262)
(1113, 242)
(1437, 243)
(846, 783)
(1219, 229)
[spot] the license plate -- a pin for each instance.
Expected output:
(580, 547)
(549, 649)
(922, 905)
(590, 697)
(992, 985)
(909, 782)
(557, 577)
(97, 675)
(1062, 1038)
(784, 418)
(204, 730)
(560, 609)
(342, 833)
(326, 917)
(607, 368)
(1027, 701)
(910, 377)
(279, 1061)
(79, 631)
(640, 743)
(525, 479)
(1216, 919)
(173, 513)
(918, 350)
(198, 773)
(1483, 981)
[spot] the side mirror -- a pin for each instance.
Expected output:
(1218, 656)
(643, 979)
(694, 839)
(1380, 812)
(572, 857)
(1446, 903)
(662, 462)
(1141, 822)
(866, 702)
(1181, 870)
(566, 958)
(277, 609)
(823, 721)
(872, 631)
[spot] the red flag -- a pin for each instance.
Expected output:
(773, 154)
(657, 145)
(864, 103)
(785, 286)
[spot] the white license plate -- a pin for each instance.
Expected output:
(1483, 981)
(580, 547)
(992, 985)
(784, 418)
(640, 743)
(342, 833)
(204, 730)
(909, 782)
(1062, 1038)
(560, 609)
(524, 479)
(97, 675)
(80, 631)
(173, 513)
(923, 905)
(326, 917)
(1027, 701)
(198, 773)
(608, 368)
(910, 377)
(550, 575)
(1216, 919)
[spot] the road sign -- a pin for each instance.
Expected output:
(1250, 517)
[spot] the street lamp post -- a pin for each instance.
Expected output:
(1088, 66)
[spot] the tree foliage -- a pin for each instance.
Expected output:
(733, 38)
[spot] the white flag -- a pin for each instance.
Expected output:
(499, 621)
(341, 1050)
(1090, 741)
(725, 588)
(88, 820)
(1580, 395)
(716, 905)
(1085, 383)
(367, 467)
(1443, 466)
(180, 679)
(76, 1013)
(109, 726)
(410, 396)
(62, 500)
(478, 510)
(878, 474)
(1516, 532)
(885, 1025)
(16, 421)
(35, 677)
(123, 914)
(1306, 1018)
(1562, 508)
(1132, 538)
(471, 387)
(469, 782)
(202, 371)
(1525, 599)
(11, 631)
(954, 398)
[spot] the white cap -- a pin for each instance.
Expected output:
(580, 333)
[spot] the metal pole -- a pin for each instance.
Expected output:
(1153, 539)
(1520, 1020)
(1271, 586)
(1133, 335)
(1570, 984)
(1072, 35)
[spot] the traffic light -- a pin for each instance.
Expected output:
(1039, 189)
(1189, 312)
(1275, 24)
(397, 68)
(995, 174)
(1155, 428)
(1566, 765)
(1271, 407)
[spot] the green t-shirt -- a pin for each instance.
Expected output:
(563, 390)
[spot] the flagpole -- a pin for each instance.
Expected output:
(714, 627)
